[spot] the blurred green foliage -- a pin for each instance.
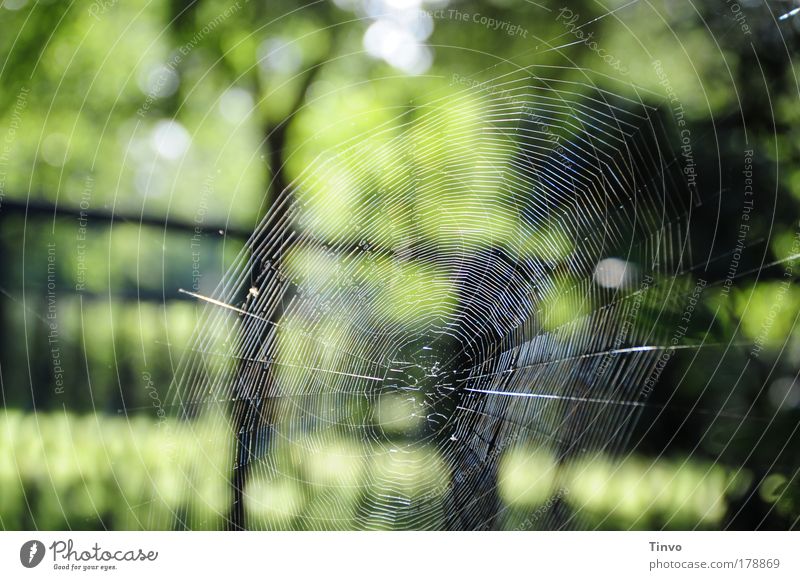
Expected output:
(84, 472)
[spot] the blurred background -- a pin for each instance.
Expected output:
(142, 142)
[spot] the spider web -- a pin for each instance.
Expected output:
(500, 270)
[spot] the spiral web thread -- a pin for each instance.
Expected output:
(451, 299)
